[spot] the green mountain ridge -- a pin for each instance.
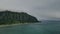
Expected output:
(9, 17)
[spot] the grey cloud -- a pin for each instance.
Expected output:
(42, 9)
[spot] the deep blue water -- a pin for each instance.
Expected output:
(46, 27)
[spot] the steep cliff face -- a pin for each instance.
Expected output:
(9, 16)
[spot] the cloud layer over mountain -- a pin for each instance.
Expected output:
(42, 9)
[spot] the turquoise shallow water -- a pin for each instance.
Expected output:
(36, 28)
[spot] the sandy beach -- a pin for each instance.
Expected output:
(13, 24)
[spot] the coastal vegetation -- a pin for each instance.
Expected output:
(10, 17)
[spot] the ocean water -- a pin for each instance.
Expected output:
(45, 27)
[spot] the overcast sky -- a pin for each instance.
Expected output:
(41, 9)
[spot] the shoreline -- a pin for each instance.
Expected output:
(5, 25)
(13, 24)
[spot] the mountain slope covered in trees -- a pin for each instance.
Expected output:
(9, 17)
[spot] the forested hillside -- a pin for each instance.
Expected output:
(9, 17)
